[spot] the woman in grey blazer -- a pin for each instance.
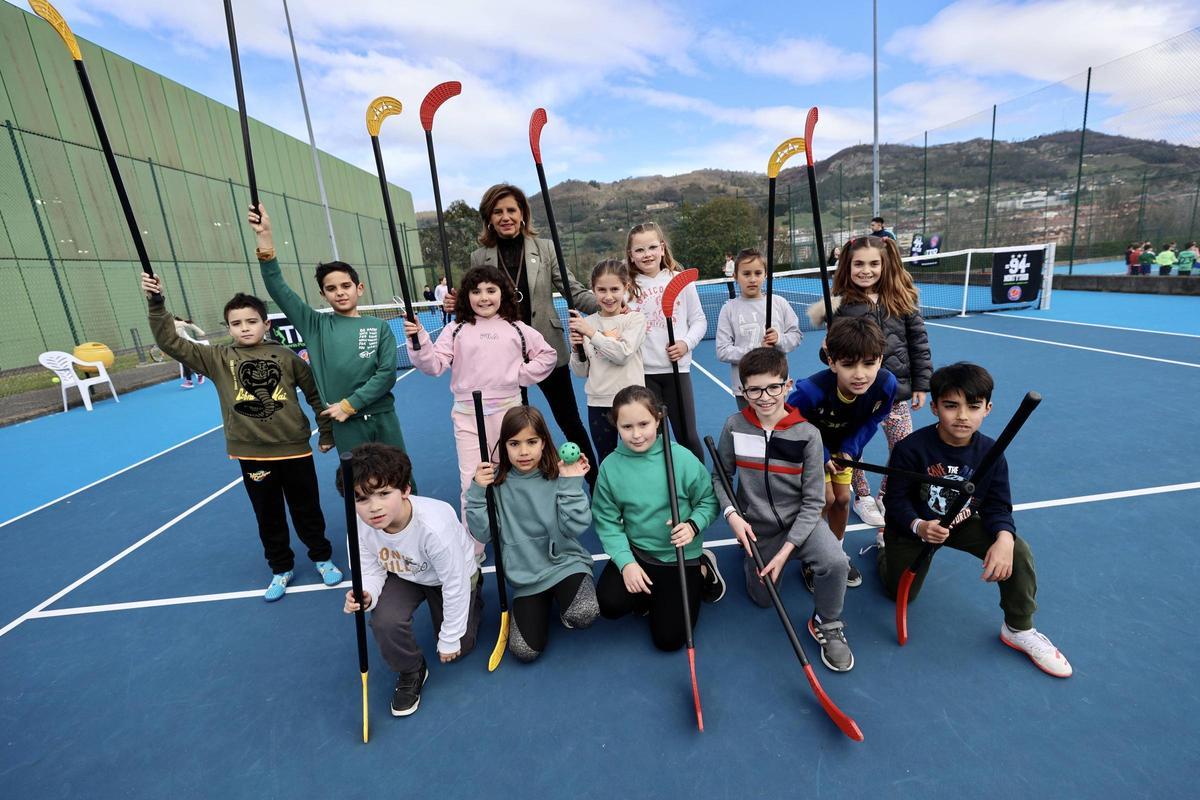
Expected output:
(511, 245)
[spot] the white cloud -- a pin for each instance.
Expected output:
(1046, 40)
(801, 61)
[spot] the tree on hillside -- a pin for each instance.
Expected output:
(704, 233)
(462, 228)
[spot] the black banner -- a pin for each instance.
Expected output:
(1017, 276)
(926, 246)
(286, 335)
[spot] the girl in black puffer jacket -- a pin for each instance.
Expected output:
(871, 280)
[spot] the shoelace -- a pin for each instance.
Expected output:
(1039, 642)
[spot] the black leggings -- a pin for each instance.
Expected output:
(664, 603)
(531, 613)
(560, 395)
(681, 410)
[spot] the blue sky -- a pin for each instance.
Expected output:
(638, 87)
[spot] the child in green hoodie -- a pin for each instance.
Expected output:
(353, 356)
(541, 511)
(631, 509)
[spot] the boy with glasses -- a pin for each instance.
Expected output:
(779, 459)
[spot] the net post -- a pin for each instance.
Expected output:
(1048, 276)
(966, 284)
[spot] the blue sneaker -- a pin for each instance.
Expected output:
(330, 574)
(278, 586)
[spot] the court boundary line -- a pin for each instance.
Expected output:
(1010, 315)
(99, 481)
(131, 548)
(41, 613)
(696, 363)
(1063, 344)
(123, 470)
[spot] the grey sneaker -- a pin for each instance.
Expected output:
(868, 511)
(832, 638)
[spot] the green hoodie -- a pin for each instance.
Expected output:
(631, 509)
(353, 358)
(257, 389)
(540, 524)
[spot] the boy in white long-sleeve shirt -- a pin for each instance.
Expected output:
(413, 550)
(742, 325)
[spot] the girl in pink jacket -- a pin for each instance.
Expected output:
(488, 349)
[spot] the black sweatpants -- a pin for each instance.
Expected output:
(681, 410)
(294, 480)
(560, 394)
(604, 435)
(664, 603)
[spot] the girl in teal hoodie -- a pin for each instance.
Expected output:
(632, 513)
(541, 511)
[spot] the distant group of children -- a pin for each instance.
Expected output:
(784, 443)
(1140, 258)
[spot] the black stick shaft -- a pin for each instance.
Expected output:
(669, 460)
(486, 456)
(770, 249)
(360, 616)
(754, 552)
(437, 203)
(391, 226)
(558, 251)
(819, 243)
(675, 364)
(102, 134)
(903, 473)
(241, 100)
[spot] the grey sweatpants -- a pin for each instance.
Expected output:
(823, 552)
(392, 617)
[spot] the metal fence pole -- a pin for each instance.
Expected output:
(966, 283)
(1192, 223)
(295, 247)
(792, 229)
(1142, 209)
(170, 240)
(925, 189)
(387, 256)
(987, 207)
(33, 204)
(1087, 93)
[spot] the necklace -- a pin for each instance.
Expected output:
(520, 270)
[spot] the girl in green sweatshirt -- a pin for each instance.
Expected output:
(541, 511)
(631, 509)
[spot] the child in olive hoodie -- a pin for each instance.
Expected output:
(631, 509)
(266, 431)
(541, 511)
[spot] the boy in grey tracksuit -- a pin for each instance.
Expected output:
(779, 459)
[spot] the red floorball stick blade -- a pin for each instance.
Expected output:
(536, 122)
(677, 285)
(437, 95)
(902, 590)
(809, 125)
(844, 723)
(695, 689)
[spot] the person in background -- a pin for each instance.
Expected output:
(1187, 257)
(1166, 259)
(729, 270)
(428, 294)
(186, 329)
(878, 229)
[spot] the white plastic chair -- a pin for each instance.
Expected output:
(61, 364)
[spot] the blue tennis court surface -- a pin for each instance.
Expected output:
(137, 658)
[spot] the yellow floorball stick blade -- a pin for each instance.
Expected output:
(782, 153)
(364, 682)
(501, 643)
(380, 109)
(51, 15)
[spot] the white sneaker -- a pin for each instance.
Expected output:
(1040, 650)
(868, 511)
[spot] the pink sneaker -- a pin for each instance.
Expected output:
(187, 384)
(199, 380)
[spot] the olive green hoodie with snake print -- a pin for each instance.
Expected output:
(256, 386)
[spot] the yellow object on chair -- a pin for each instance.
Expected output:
(93, 351)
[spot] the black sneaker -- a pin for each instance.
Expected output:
(407, 695)
(808, 578)
(853, 577)
(712, 587)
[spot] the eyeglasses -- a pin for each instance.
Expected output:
(755, 392)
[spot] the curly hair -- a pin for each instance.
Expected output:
(377, 465)
(472, 279)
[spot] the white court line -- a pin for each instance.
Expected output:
(714, 378)
(36, 610)
(106, 477)
(132, 466)
(257, 593)
(1010, 315)
(1064, 344)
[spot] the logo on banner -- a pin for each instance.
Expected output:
(286, 334)
(1017, 276)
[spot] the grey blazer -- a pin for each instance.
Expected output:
(544, 279)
